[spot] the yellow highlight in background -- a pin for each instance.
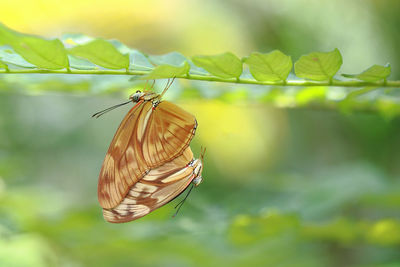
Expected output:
(238, 138)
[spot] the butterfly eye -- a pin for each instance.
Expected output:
(136, 96)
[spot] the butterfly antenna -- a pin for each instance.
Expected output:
(202, 153)
(145, 85)
(167, 86)
(152, 85)
(180, 204)
(98, 114)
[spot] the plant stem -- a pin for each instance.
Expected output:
(210, 78)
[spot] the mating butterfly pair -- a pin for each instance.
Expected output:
(149, 161)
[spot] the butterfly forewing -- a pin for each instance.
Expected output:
(123, 164)
(154, 190)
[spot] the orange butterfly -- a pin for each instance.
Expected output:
(152, 134)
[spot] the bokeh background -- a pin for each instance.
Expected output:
(282, 187)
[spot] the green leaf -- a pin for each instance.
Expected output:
(44, 54)
(120, 46)
(197, 70)
(167, 71)
(274, 66)
(138, 61)
(169, 65)
(102, 53)
(11, 58)
(80, 63)
(318, 66)
(372, 74)
(225, 65)
(173, 58)
(6, 35)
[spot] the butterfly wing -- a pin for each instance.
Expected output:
(124, 163)
(154, 190)
(169, 132)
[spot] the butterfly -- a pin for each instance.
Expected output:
(158, 187)
(153, 133)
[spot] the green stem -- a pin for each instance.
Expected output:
(211, 78)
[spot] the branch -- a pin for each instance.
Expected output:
(394, 84)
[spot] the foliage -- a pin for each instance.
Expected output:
(275, 66)
(319, 66)
(79, 54)
(373, 74)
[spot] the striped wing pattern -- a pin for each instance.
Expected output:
(154, 190)
(169, 132)
(146, 138)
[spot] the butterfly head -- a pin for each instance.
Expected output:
(143, 96)
(136, 97)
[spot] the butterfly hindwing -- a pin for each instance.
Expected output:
(154, 190)
(168, 134)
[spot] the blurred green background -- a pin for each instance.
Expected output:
(281, 187)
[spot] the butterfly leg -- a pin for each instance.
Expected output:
(180, 204)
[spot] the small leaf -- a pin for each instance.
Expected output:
(173, 58)
(197, 70)
(102, 53)
(167, 71)
(138, 61)
(120, 46)
(274, 66)
(45, 54)
(9, 57)
(225, 65)
(169, 65)
(372, 74)
(6, 35)
(318, 66)
(80, 63)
